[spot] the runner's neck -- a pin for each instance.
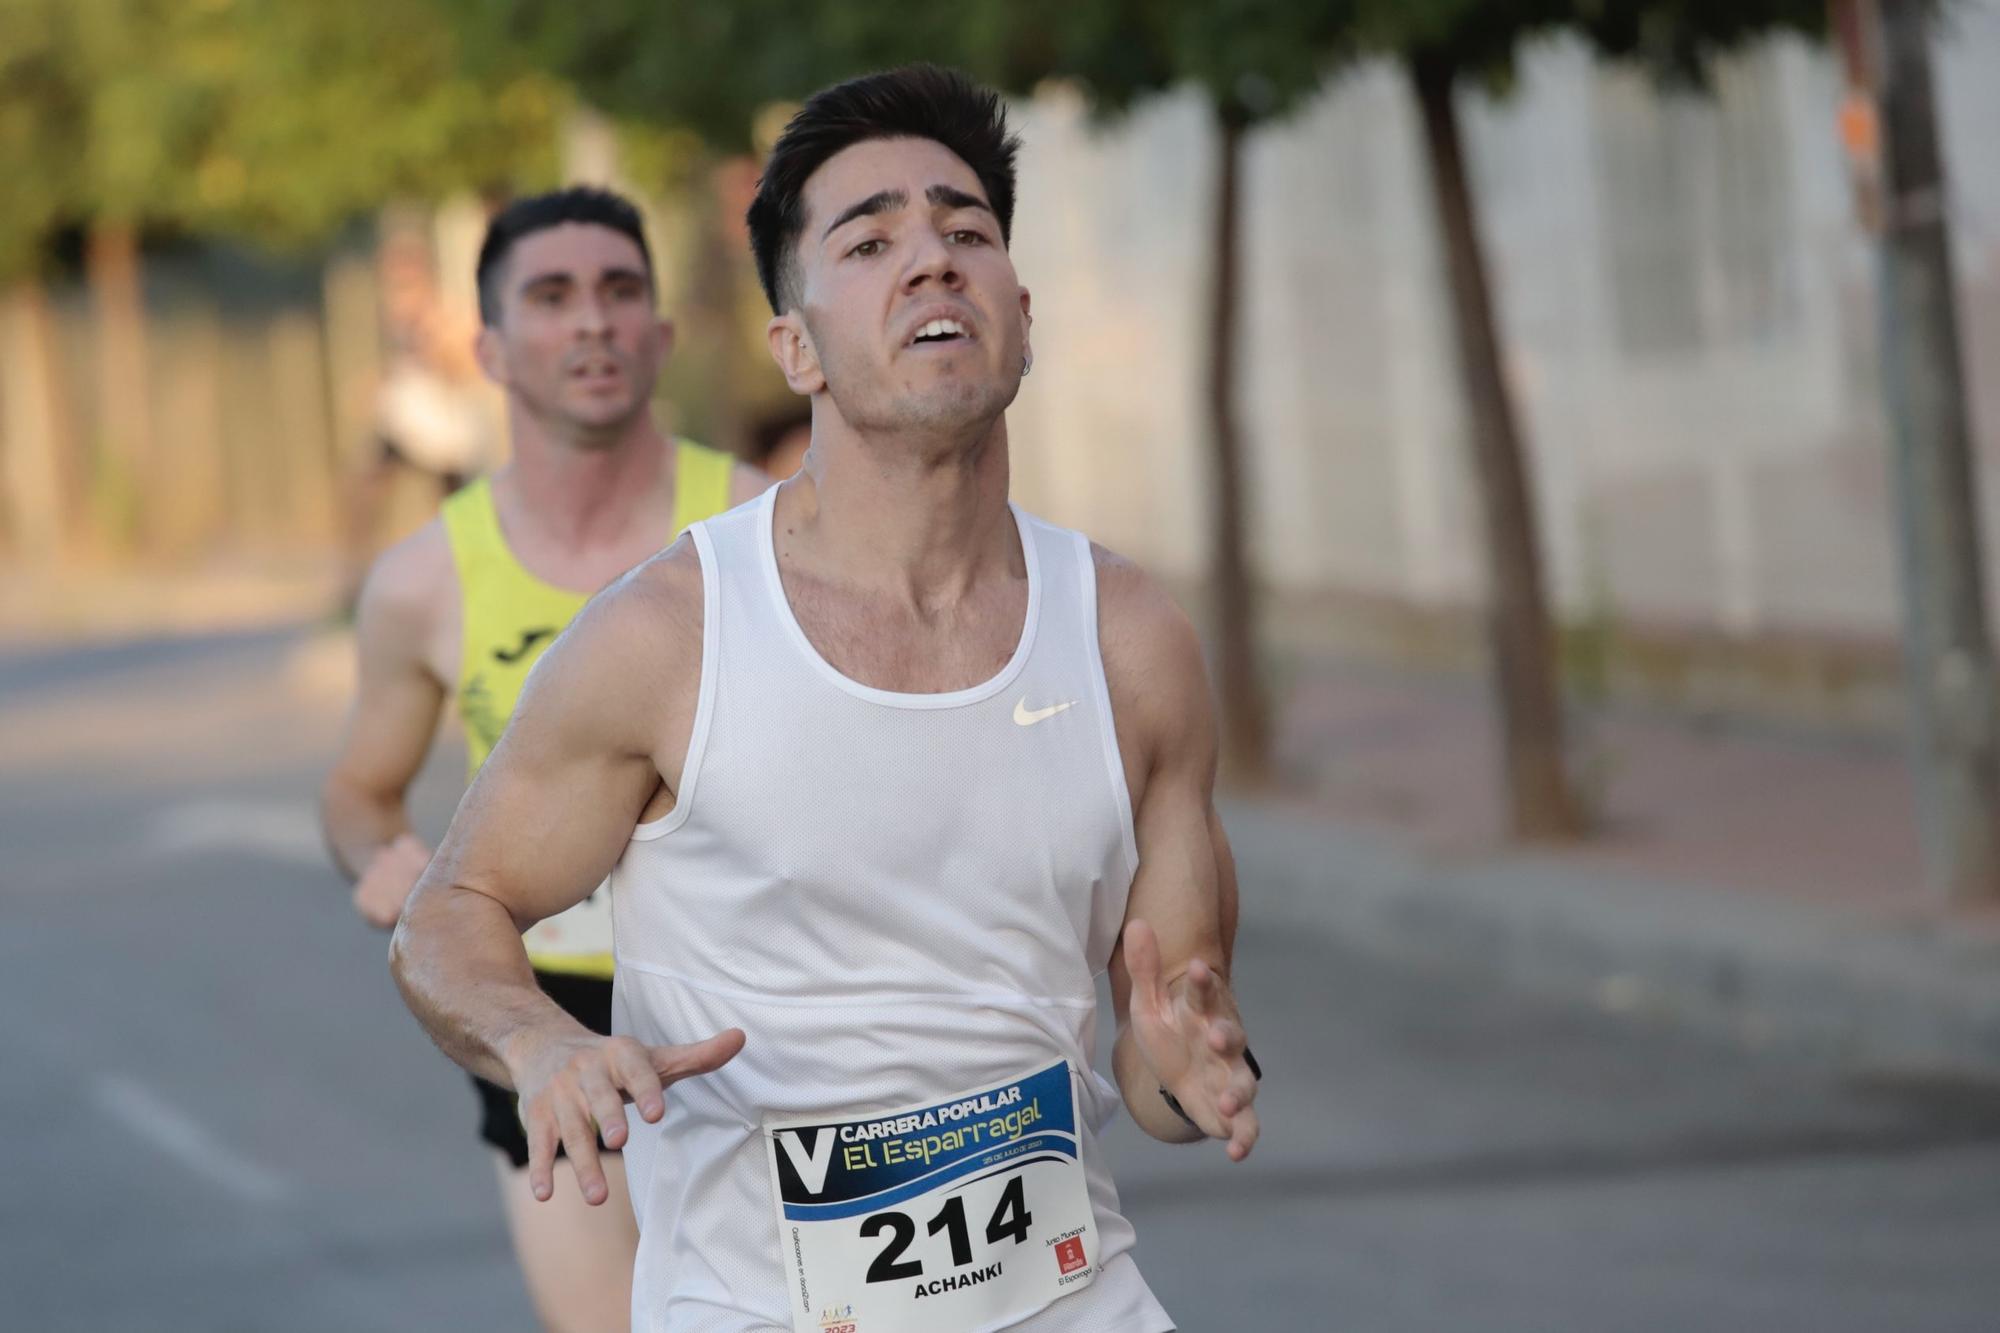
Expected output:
(584, 498)
(882, 515)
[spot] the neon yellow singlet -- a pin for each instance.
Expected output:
(509, 617)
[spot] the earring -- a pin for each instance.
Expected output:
(1027, 363)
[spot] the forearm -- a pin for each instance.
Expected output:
(1141, 1091)
(358, 824)
(458, 959)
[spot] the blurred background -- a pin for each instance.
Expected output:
(1575, 425)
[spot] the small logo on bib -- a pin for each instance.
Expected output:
(1069, 1255)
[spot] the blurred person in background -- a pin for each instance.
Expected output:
(779, 442)
(427, 418)
(462, 609)
(886, 772)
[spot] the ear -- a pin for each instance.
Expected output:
(791, 347)
(1027, 327)
(492, 357)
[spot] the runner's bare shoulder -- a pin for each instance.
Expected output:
(410, 598)
(1152, 659)
(652, 612)
(627, 671)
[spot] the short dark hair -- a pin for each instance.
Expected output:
(539, 212)
(914, 102)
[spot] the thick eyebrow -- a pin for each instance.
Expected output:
(882, 201)
(944, 196)
(621, 273)
(546, 278)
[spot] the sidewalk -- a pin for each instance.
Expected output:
(86, 605)
(1755, 880)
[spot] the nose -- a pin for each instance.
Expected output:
(592, 320)
(932, 261)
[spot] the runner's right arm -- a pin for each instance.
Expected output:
(544, 822)
(398, 701)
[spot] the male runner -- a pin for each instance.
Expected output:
(466, 606)
(885, 772)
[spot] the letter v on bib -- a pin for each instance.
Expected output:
(811, 1165)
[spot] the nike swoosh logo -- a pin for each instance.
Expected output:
(528, 640)
(1025, 716)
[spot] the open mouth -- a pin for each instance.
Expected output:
(940, 331)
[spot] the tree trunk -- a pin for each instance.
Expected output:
(1520, 638)
(1947, 653)
(124, 458)
(36, 440)
(1246, 735)
(717, 314)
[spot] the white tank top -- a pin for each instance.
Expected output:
(897, 897)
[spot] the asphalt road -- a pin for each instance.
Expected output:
(219, 1117)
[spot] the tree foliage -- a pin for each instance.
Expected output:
(1677, 39)
(265, 119)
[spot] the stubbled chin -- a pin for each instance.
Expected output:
(595, 411)
(953, 404)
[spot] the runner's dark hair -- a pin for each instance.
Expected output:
(914, 102)
(538, 212)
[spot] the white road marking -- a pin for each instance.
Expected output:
(136, 1107)
(280, 830)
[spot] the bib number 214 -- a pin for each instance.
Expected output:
(960, 1214)
(1010, 1221)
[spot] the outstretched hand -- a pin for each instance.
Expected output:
(1192, 1040)
(576, 1089)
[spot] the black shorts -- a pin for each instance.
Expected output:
(586, 999)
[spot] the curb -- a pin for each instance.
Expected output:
(1867, 991)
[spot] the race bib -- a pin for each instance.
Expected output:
(963, 1214)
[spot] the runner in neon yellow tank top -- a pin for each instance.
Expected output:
(463, 608)
(507, 617)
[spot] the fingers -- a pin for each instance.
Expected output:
(607, 1107)
(1204, 988)
(632, 1071)
(1228, 1043)
(585, 1100)
(1243, 1131)
(389, 879)
(1219, 1090)
(374, 912)
(579, 1140)
(674, 1063)
(542, 1140)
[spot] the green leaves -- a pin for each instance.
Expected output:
(1676, 39)
(272, 120)
(712, 68)
(40, 129)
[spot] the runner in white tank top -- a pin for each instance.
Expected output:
(939, 885)
(886, 773)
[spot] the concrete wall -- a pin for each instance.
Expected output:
(1688, 312)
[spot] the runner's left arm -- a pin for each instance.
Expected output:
(1179, 1031)
(547, 817)
(544, 822)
